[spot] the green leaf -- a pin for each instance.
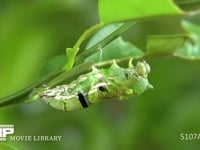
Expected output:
(123, 10)
(53, 64)
(103, 33)
(4, 146)
(191, 49)
(162, 45)
(102, 38)
(117, 49)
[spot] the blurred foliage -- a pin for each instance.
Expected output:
(4, 146)
(34, 31)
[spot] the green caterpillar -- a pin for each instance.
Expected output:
(99, 84)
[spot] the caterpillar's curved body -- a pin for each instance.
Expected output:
(98, 85)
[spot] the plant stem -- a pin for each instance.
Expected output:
(72, 52)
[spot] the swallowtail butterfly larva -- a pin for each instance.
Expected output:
(98, 85)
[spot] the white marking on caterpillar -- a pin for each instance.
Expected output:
(94, 69)
(100, 84)
(95, 87)
(55, 91)
(61, 97)
(98, 76)
(72, 85)
(83, 79)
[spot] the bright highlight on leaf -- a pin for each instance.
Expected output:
(124, 10)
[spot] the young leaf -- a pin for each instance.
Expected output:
(191, 49)
(162, 45)
(186, 46)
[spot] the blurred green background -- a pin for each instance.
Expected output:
(33, 31)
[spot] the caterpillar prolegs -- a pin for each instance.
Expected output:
(99, 84)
